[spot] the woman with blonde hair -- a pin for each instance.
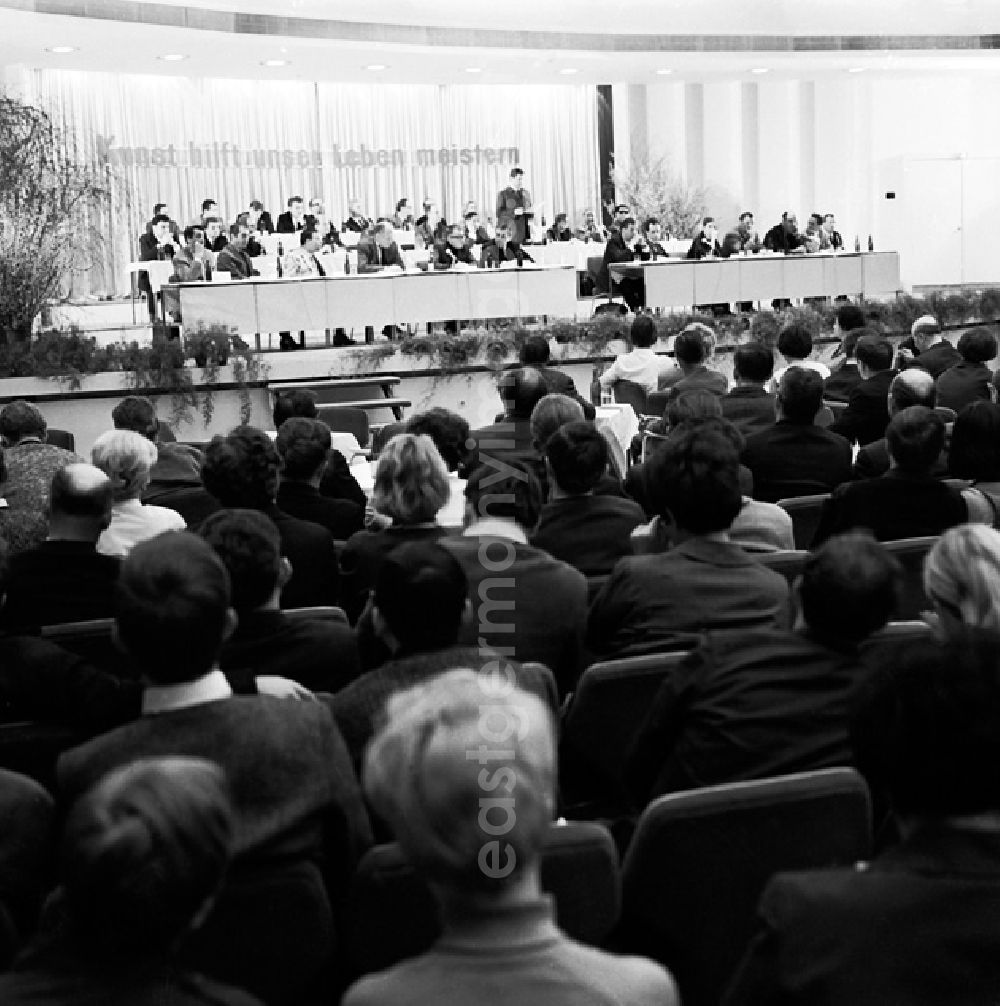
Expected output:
(126, 458)
(962, 581)
(411, 487)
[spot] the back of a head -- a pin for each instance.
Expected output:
(81, 491)
(692, 407)
(795, 341)
(302, 446)
(690, 346)
(411, 480)
(294, 403)
(172, 609)
(535, 351)
(241, 468)
(915, 438)
(578, 456)
(643, 332)
(126, 458)
(694, 480)
(962, 578)
(249, 546)
(753, 362)
(850, 317)
(420, 592)
(800, 394)
(143, 852)
(135, 413)
(521, 390)
(913, 386)
(419, 777)
(448, 430)
(974, 449)
(552, 412)
(513, 494)
(21, 419)
(938, 731)
(978, 345)
(874, 352)
(849, 588)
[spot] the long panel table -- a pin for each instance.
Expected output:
(681, 283)
(387, 298)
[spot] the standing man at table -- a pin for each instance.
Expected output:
(514, 206)
(619, 249)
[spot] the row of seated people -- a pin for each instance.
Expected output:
(744, 705)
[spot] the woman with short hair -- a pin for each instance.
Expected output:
(126, 458)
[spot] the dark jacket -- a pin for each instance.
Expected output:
(701, 248)
(321, 655)
(614, 251)
(839, 385)
(287, 226)
(236, 263)
(591, 533)
(747, 705)
(916, 927)
(150, 251)
(559, 383)
(893, 506)
(779, 240)
(935, 360)
(341, 518)
(867, 412)
(446, 255)
(649, 601)
(339, 483)
(309, 548)
(964, 383)
(873, 460)
(59, 581)
(789, 453)
(749, 408)
(372, 256)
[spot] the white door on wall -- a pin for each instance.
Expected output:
(980, 220)
(933, 209)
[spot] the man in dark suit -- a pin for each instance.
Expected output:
(784, 237)
(867, 412)
(301, 824)
(795, 457)
(748, 406)
(909, 387)
(303, 446)
(520, 391)
(295, 218)
(411, 631)
(906, 502)
(356, 220)
(651, 247)
(234, 258)
(526, 604)
(514, 207)
(65, 578)
(916, 926)
(704, 581)
(258, 219)
(750, 705)
(591, 532)
(535, 352)
(849, 325)
(157, 244)
(971, 379)
(379, 250)
(322, 655)
(619, 249)
(241, 470)
(930, 349)
(453, 251)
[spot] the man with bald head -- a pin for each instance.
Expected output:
(909, 387)
(65, 578)
(520, 391)
(928, 348)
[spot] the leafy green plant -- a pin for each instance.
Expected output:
(650, 188)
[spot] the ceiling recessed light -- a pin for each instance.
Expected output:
(61, 50)
(473, 69)
(569, 70)
(376, 66)
(172, 57)
(664, 73)
(274, 62)
(760, 69)
(856, 69)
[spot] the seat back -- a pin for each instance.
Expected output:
(93, 641)
(787, 562)
(699, 862)
(60, 438)
(193, 503)
(780, 489)
(656, 403)
(611, 702)
(594, 264)
(383, 435)
(317, 613)
(911, 553)
(393, 915)
(631, 394)
(837, 408)
(32, 748)
(347, 420)
(805, 512)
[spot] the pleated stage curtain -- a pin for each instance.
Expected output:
(178, 140)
